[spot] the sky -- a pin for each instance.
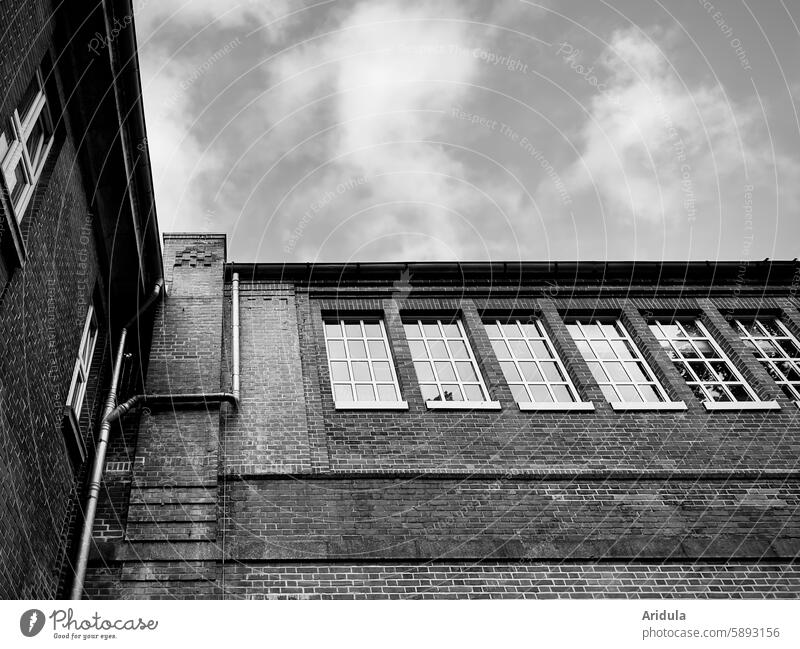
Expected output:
(400, 130)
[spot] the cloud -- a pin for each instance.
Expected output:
(658, 149)
(392, 70)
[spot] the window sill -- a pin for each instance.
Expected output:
(371, 405)
(569, 405)
(463, 405)
(648, 405)
(741, 405)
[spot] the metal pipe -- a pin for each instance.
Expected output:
(176, 399)
(100, 454)
(235, 309)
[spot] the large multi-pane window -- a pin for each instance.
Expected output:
(83, 364)
(617, 364)
(360, 363)
(444, 363)
(777, 350)
(24, 143)
(701, 362)
(533, 370)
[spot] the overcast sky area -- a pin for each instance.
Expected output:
(382, 130)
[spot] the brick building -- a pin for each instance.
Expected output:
(79, 250)
(440, 430)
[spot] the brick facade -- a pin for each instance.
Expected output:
(288, 497)
(48, 278)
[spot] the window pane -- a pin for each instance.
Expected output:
(343, 393)
(357, 349)
(387, 393)
(458, 349)
(616, 372)
(551, 371)
(473, 393)
(466, 372)
(438, 349)
(541, 394)
(361, 371)
(382, 370)
(530, 372)
(418, 349)
(628, 394)
(430, 392)
(353, 330)
(412, 330)
(365, 392)
(603, 349)
(519, 393)
(339, 371)
(452, 392)
(451, 330)
(377, 349)
(650, 393)
(336, 349)
(492, 331)
(519, 349)
(562, 393)
(424, 371)
(373, 330)
(510, 371)
(586, 350)
(432, 330)
(445, 371)
(501, 349)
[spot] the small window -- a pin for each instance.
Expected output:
(445, 365)
(617, 364)
(24, 144)
(701, 362)
(360, 364)
(776, 349)
(83, 364)
(532, 368)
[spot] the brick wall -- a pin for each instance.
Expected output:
(42, 312)
(313, 502)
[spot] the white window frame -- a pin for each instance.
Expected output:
(83, 363)
(355, 403)
(678, 359)
(770, 362)
(440, 404)
(611, 384)
(574, 403)
(16, 151)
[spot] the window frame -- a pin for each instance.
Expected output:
(355, 404)
(441, 404)
(766, 362)
(665, 402)
(755, 403)
(83, 363)
(577, 403)
(14, 153)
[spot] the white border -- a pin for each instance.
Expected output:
(565, 405)
(648, 405)
(741, 405)
(371, 405)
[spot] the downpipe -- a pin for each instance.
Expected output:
(102, 446)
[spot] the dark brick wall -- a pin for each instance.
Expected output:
(288, 497)
(42, 312)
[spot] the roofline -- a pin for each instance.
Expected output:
(766, 272)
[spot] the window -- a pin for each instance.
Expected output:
(80, 376)
(535, 374)
(446, 369)
(617, 365)
(777, 350)
(360, 364)
(24, 144)
(703, 365)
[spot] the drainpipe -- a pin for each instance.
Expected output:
(102, 446)
(235, 309)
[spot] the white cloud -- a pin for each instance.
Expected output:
(659, 151)
(392, 71)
